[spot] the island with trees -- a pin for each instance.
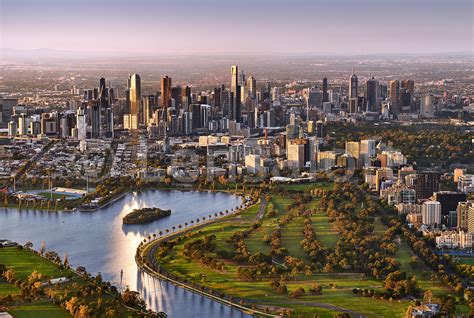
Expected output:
(145, 215)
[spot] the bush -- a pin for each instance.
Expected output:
(298, 292)
(282, 289)
(316, 289)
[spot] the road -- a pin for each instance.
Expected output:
(261, 210)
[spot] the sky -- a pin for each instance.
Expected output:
(239, 26)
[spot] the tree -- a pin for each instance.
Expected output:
(298, 292)
(315, 289)
(9, 275)
(71, 305)
(83, 312)
(132, 298)
(427, 297)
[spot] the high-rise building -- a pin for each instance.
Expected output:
(186, 97)
(372, 95)
(6, 110)
(367, 150)
(463, 213)
(409, 85)
(166, 92)
(353, 149)
(252, 163)
(135, 94)
(234, 72)
(252, 86)
(12, 129)
(234, 105)
(426, 183)
(149, 106)
(394, 91)
(382, 175)
(325, 90)
(234, 99)
(470, 219)
(426, 106)
(449, 200)
(94, 107)
(22, 125)
(176, 96)
(431, 212)
(81, 124)
(353, 86)
(295, 154)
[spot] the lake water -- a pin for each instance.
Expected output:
(101, 243)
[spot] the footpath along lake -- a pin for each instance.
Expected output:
(101, 243)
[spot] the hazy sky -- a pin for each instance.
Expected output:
(222, 26)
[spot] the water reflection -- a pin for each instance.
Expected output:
(101, 243)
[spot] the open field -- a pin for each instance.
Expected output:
(7, 289)
(24, 263)
(43, 309)
(467, 260)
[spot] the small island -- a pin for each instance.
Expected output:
(145, 215)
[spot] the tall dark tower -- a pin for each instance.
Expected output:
(166, 92)
(353, 85)
(372, 96)
(234, 111)
(325, 90)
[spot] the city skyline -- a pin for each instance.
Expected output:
(192, 27)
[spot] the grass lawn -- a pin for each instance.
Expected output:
(55, 196)
(422, 273)
(7, 289)
(379, 227)
(24, 263)
(41, 309)
(254, 242)
(325, 231)
(228, 281)
(306, 186)
(467, 260)
(291, 236)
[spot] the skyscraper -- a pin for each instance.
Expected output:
(431, 212)
(166, 92)
(234, 101)
(81, 124)
(234, 71)
(252, 85)
(186, 97)
(325, 90)
(394, 91)
(353, 85)
(409, 85)
(372, 95)
(135, 94)
(95, 118)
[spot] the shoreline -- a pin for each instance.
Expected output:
(117, 198)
